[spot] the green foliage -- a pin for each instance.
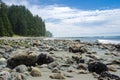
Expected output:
(5, 23)
(19, 21)
(49, 34)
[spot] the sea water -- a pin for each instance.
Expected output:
(100, 39)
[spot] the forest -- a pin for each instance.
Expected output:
(18, 20)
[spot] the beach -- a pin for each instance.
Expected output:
(28, 58)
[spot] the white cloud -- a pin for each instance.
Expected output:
(67, 21)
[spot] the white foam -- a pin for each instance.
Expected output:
(108, 41)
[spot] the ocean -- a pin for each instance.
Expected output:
(100, 39)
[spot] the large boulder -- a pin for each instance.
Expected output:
(28, 59)
(44, 59)
(107, 76)
(97, 67)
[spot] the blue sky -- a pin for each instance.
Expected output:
(84, 4)
(68, 18)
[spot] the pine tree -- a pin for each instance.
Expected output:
(19, 20)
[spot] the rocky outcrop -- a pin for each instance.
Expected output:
(44, 59)
(28, 59)
(97, 67)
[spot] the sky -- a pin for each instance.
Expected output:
(76, 18)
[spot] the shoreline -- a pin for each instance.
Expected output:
(39, 58)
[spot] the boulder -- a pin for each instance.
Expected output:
(97, 67)
(28, 59)
(5, 75)
(107, 76)
(44, 59)
(76, 49)
(35, 72)
(3, 61)
(20, 68)
(117, 47)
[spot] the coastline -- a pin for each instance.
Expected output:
(71, 58)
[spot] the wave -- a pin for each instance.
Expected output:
(108, 41)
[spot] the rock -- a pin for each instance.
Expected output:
(5, 75)
(76, 49)
(107, 76)
(94, 56)
(28, 59)
(57, 76)
(83, 72)
(17, 76)
(44, 66)
(82, 67)
(7, 69)
(66, 74)
(36, 43)
(116, 61)
(95, 75)
(35, 72)
(1, 55)
(71, 69)
(112, 68)
(78, 59)
(44, 59)
(51, 52)
(117, 47)
(3, 61)
(53, 65)
(52, 49)
(69, 61)
(77, 41)
(2, 78)
(56, 70)
(20, 68)
(97, 67)
(108, 54)
(91, 52)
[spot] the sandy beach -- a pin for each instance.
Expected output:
(53, 59)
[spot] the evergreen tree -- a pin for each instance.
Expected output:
(20, 21)
(2, 30)
(5, 20)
